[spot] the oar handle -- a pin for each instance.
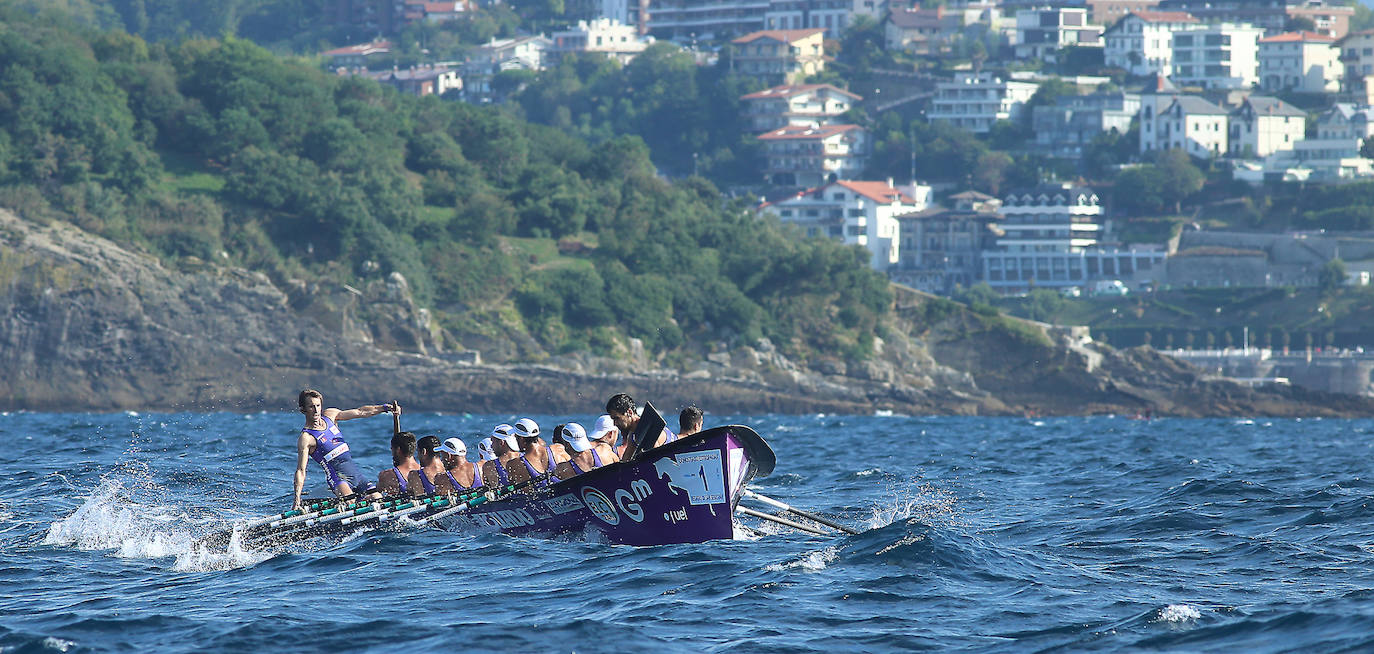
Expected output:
(782, 521)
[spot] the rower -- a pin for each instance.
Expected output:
(689, 421)
(558, 449)
(621, 408)
(421, 480)
(535, 458)
(584, 457)
(457, 469)
(320, 440)
(506, 449)
(393, 481)
(604, 433)
(484, 451)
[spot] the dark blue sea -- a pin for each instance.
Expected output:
(980, 534)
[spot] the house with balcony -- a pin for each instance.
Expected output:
(1220, 56)
(1262, 125)
(1345, 120)
(1306, 62)
(612, 38)
(1357, 59)
(855, 213)
(811, 105)
(1065, 128)
(685, 20)
(1186, 122)
(780, 56)
(801, 155)
(1042, 32)
(941, 248)
(1332, 156)
(976, 101)
(486, 61)
(1142, 42)
(1052, 236)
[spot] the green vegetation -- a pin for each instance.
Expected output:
(216, 149)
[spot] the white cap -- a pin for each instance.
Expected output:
(525, 428)
(453, 446)
(576, 437)
(502, 431)
(484, 450)
(604, 426)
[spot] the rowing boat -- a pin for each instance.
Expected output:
(683, 492)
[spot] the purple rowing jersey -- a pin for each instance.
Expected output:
(329, 443)
(596, 463)
(529, 468)
(476, 479)
(400, 479)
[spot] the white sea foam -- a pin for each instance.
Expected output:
(111, 520)
(869, 471)
(1177, 613)
(57, 644)
(922, 501)
(810, 562)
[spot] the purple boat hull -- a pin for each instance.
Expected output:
(683, 492)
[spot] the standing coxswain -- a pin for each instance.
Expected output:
(320, 440)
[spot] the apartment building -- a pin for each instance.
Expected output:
(1042, 32)
(1306, 62)
(1108, 12)
(1357, 55)
(834, 16)
(612, 38)
(975, 101)
(1073, 122)
(855, 213)
(1219, 56)
(800, 155)
(780, 56)
(941, 248)
(811, 105)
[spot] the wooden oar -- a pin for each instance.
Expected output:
(805, 514)
(782, 521)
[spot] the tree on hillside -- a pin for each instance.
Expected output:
(1331, 276)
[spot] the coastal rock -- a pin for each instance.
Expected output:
(89, 325)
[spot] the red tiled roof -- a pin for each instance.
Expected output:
(792, 90)
(1294, 37)
(878, 192)
(803, 132)
(785, 36)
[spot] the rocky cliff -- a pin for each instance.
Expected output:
(89, 325)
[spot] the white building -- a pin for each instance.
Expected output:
(1357, 52)
(1345, 120)
(799, 155)
(1187, 122)
(812, 105)
(1306, 62)
(857, 213)
(616, 40)
(1221, 56)
(1142, 42)
(1261, 126)
(1042, 32)
(975, 101)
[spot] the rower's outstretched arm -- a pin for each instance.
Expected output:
(366, 411)
(302, 457)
